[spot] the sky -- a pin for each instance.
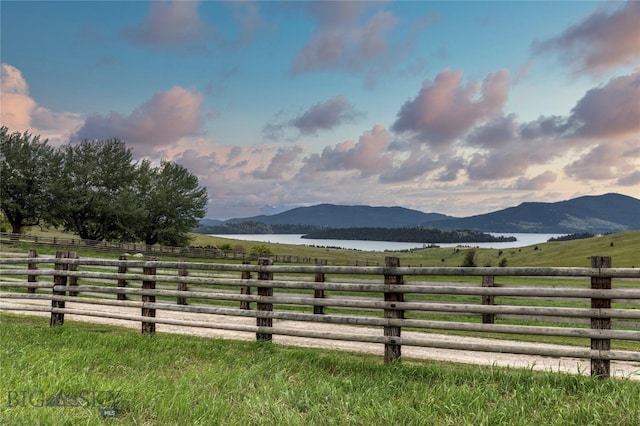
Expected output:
(454, 107)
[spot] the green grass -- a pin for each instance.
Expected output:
(622, 247)
(184, 380)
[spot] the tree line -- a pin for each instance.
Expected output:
(416, 234)
(96, 190)
(252, 227)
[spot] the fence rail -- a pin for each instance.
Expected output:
(141, 249)
(380, 301)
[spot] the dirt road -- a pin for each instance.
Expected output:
(619, 369)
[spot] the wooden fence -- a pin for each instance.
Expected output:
(577, 305)
(142, 249)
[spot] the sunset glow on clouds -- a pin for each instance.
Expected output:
(442, 107)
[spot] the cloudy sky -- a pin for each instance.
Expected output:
(458, 108)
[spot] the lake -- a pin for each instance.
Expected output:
(522, 240)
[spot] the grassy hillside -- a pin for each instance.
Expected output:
(623, 247)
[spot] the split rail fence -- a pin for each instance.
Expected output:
(579, 306)
(149, 250)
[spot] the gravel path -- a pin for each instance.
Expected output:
(619, 369)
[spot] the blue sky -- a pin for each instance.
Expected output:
(452, 107)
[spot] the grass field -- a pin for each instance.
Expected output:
(182, 380)
(623, 247)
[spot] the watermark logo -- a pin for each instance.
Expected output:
(105, 400)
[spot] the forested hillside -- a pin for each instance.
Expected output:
(411, 235)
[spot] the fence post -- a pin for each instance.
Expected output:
(488, 281)
(32, 266)
(600, 367)
(182, 272)
(122, 269)
(264, 306)
(392, 351)
(148, 327)
(58, 280)
(73, 281)
(319, 294)
(245, 289)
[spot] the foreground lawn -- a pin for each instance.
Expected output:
(183, 380)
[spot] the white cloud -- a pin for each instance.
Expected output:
(20, 112)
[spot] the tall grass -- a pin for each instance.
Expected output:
(186, 380)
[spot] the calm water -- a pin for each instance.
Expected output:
(522, 240)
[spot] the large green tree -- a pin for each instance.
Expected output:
(95, 195)
(27, 166)
(172, 201)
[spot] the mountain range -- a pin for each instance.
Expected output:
(595, 214)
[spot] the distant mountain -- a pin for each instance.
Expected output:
(337, 216)
(597, 214)
(211, 222)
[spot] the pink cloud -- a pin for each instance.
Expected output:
(494, 134)
(337, 14)
(247, 16)
(607, 160)
(370, 40)
(179, 24)
(497, 164)
(12, 81)
(198, 162)
(632, 179)
(367, 156)
(281, 163)
(169, 24)
(610, 110)
(601, 41)
(605, 121)
(321, 116)
(339, 41)
(522, 72)
(17, 106)
(19, 112)
(161, 121)
(360, 37)
(445, 109)
(536, 183)
(452, 168)
(417, 163)
(325, 115)
(505, 148)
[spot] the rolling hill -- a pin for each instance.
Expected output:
(594, 214)
(338, 216)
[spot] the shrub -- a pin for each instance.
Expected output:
(469, 259)
(261, 250)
